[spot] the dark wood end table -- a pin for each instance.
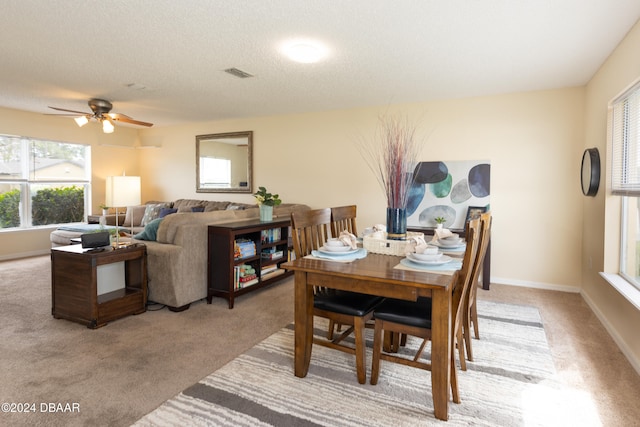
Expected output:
(74, 284)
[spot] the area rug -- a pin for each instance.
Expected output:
(510, 383)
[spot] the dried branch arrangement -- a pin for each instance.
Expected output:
(392, 155)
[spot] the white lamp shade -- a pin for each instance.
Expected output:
(81, 121)
(122, 191)
(107, 126)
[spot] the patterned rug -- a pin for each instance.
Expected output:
(510, 383)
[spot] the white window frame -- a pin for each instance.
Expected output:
(623, 129)
(27, 178)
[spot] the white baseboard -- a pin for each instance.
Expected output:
(535, 285)
(25, 254)
(624, 348)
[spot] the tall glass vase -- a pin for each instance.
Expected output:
(396, 223)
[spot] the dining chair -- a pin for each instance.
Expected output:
(343, 218)
(471, 311)
(413, 318)
(310, 231)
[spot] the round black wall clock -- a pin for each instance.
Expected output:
(590, 172)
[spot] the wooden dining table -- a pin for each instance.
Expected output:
(376, 275)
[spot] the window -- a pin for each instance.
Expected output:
(624, 128)
(215, 172)
(43, 182)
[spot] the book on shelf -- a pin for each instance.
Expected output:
(268, 269)
(248, 283)
(243, 275)
(243, 248)
(272, 255)
(271, 235)
(274, 273)
(247, 278)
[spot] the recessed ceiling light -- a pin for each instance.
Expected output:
(305, 51)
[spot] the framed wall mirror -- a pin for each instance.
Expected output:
(224, 162)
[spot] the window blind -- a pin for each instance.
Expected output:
(624, 125)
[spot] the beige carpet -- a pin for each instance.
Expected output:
(514, 369)
(121, 372)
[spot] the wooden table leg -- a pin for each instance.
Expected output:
(303, 324)
(441, 352)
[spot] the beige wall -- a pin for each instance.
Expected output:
(533, 141)
(602, 214)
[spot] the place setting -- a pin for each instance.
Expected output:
(449, 243)
(427, 257)
(341, 249)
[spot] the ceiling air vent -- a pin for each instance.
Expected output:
(238, 73)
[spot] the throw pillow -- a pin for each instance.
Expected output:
(166, 211)
(152, 211)
(197, 209)
(150, 231)
(135, 214)
(239, 206)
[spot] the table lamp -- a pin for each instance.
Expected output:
(122, 191)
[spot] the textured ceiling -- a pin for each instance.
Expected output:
(64, 52)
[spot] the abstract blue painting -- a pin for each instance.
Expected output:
(447, 189)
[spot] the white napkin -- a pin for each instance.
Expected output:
(349, 239)
(441, 233)
(416, 244)
(380, 227)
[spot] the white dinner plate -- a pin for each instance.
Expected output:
(428, 257)
(442, 260)
(447, 246)
(333, 248)
(326, 251)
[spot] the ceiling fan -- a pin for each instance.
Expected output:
(101, 114)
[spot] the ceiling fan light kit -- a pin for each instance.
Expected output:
(107, 127)
(101, 113)
(81, 121)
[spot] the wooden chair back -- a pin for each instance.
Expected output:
(460, 297)
(471, 312)
(485, 234)
(343, 218)
(466, 272)
(310, 230)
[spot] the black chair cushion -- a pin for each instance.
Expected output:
(344, 302)
(412, 313)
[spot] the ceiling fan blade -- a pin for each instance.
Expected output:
(84, 113)
(127, 119)
(68, 114)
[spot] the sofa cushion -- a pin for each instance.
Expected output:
(211, 206)
(185, 205)
(150, 231)
(136, 213)
(152, 211)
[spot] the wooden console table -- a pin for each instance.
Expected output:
(74, 284)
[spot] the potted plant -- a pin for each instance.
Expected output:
(440, 220)
(266, 201)
(105, 209)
